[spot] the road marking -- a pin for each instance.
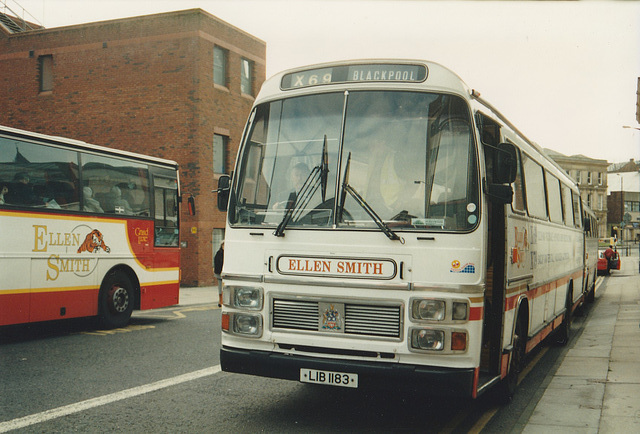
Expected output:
(66, 410)
(127, 329)
(172, 313)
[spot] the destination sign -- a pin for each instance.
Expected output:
(355, 73)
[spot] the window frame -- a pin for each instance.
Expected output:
(220, 69)
(224, 150)
(45, 73)
(529, 194)
(246, 81)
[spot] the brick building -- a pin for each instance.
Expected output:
(145, 84)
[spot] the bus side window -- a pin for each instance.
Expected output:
(554, 197)
(567, 206)
(576, 209)
(38, 176)
(166, 215)
(518, 187)
(536, 195)
(119, 186)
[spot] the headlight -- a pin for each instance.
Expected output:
(460, 311)
(243, 297)
(427, 339)
(245, 324)
(426, 309)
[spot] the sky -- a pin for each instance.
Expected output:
(565, 73)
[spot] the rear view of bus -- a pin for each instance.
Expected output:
(358, 242)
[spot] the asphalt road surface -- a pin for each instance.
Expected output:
(162, 374)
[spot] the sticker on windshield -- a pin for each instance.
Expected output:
(428, 222)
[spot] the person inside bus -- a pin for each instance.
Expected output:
(22, 192)
(115, 202)
(299, 173)
(3, 190)
(90, 204)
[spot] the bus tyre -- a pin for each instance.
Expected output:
(115, 301)
(565, 328)
(516, 362)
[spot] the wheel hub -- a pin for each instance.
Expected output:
(119, 299)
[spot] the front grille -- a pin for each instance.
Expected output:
(359, 319)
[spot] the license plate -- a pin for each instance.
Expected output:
(341, 379)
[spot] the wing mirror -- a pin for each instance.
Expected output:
(224, 184)
(505, 172)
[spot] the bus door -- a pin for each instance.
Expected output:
(499, 194)
(494, 287)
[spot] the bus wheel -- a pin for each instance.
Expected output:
(115, 301)
(508, 385)
(565, 328)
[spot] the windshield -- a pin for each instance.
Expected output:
(408, 156)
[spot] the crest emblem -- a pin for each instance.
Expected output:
(331, 317)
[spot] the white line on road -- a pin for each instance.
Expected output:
(106, 399)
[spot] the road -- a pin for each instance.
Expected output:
(162, 374)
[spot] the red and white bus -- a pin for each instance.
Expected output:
(84, 230)
(388, 225)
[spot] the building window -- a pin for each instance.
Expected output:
(589, 178)
(589, 200)
(600, 202)
(220, 66)
(45, 64)
(246, 78)
(578, 176)
(631, 206)
(219, 153)
(599, 178)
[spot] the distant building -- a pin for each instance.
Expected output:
(177, 85)
(624, 200)
(591, 176)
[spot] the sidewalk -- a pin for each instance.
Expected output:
(198, 295)
(596, 389)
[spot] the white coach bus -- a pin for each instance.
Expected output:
(388, 226)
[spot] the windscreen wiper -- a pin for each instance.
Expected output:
(298, 201)
(346, 188)
(324, 169)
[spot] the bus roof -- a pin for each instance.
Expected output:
(80, 145)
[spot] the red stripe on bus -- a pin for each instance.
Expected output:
(534, 341)
(154, 296)
(140, 237)
(14, 308)
(47, 305)
(476, 313)
(538, 291)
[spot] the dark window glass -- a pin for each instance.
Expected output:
(38, 176)
(118, 186)
(166, 211)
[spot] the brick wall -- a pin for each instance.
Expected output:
(141, 84)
